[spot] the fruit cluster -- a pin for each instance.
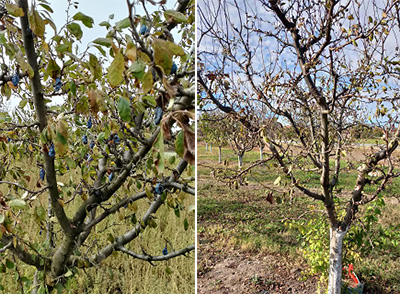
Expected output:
(58, 84)
(158, 115)
(159, 189)
(144, 29)
(174, 68)
(52, 152)
(42, 174)
(15, 79)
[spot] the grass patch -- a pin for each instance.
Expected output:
(243, 220)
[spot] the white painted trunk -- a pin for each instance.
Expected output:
(220, 154)
(261, 153)
(335, 261)
(240, 160)
(206, 147)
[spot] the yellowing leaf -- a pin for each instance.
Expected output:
(174, 16)
(25, 66)
(61, 141)
(131, 52)
(36, 23)
(116, 70)
(158, 150)
(147, 82)
(95, 67)
(14, 10)
(163, 54)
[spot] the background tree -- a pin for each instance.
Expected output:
(242, 140)
(214, 125)
(99, 154)
(320, 68)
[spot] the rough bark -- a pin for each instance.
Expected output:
(220, 154)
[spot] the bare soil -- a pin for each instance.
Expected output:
(240, 273)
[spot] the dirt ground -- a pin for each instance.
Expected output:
(252, 274)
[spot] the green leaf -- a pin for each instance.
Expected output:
(124, 109)
(14, 10)
(75, 29)
(3, 40)
(179, 144)
(110, 238)
(41, 212)
(22, 103)
(103, 42)
(137, 68)
(52, 69)
(150, 100)
(116, 70)
(17, 203)
(177, 212)
(125, 23)
(105, 24)
(9, 264)
(69, 161)
(2, 217)
(168, 270)
(174, 16)
(63, 47)
(86, 20)
(185, 224)
(101, 137)
(47, 7)
(59, 288)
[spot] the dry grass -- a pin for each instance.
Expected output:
(118, 273)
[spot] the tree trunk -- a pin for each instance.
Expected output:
(206, 147)
(220, 154)
(210, 148)
(335, 260)
(261, 152)
(240, 160)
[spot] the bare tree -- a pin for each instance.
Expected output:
(320, 67)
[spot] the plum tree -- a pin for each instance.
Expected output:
(110, 86)
(320, 68)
